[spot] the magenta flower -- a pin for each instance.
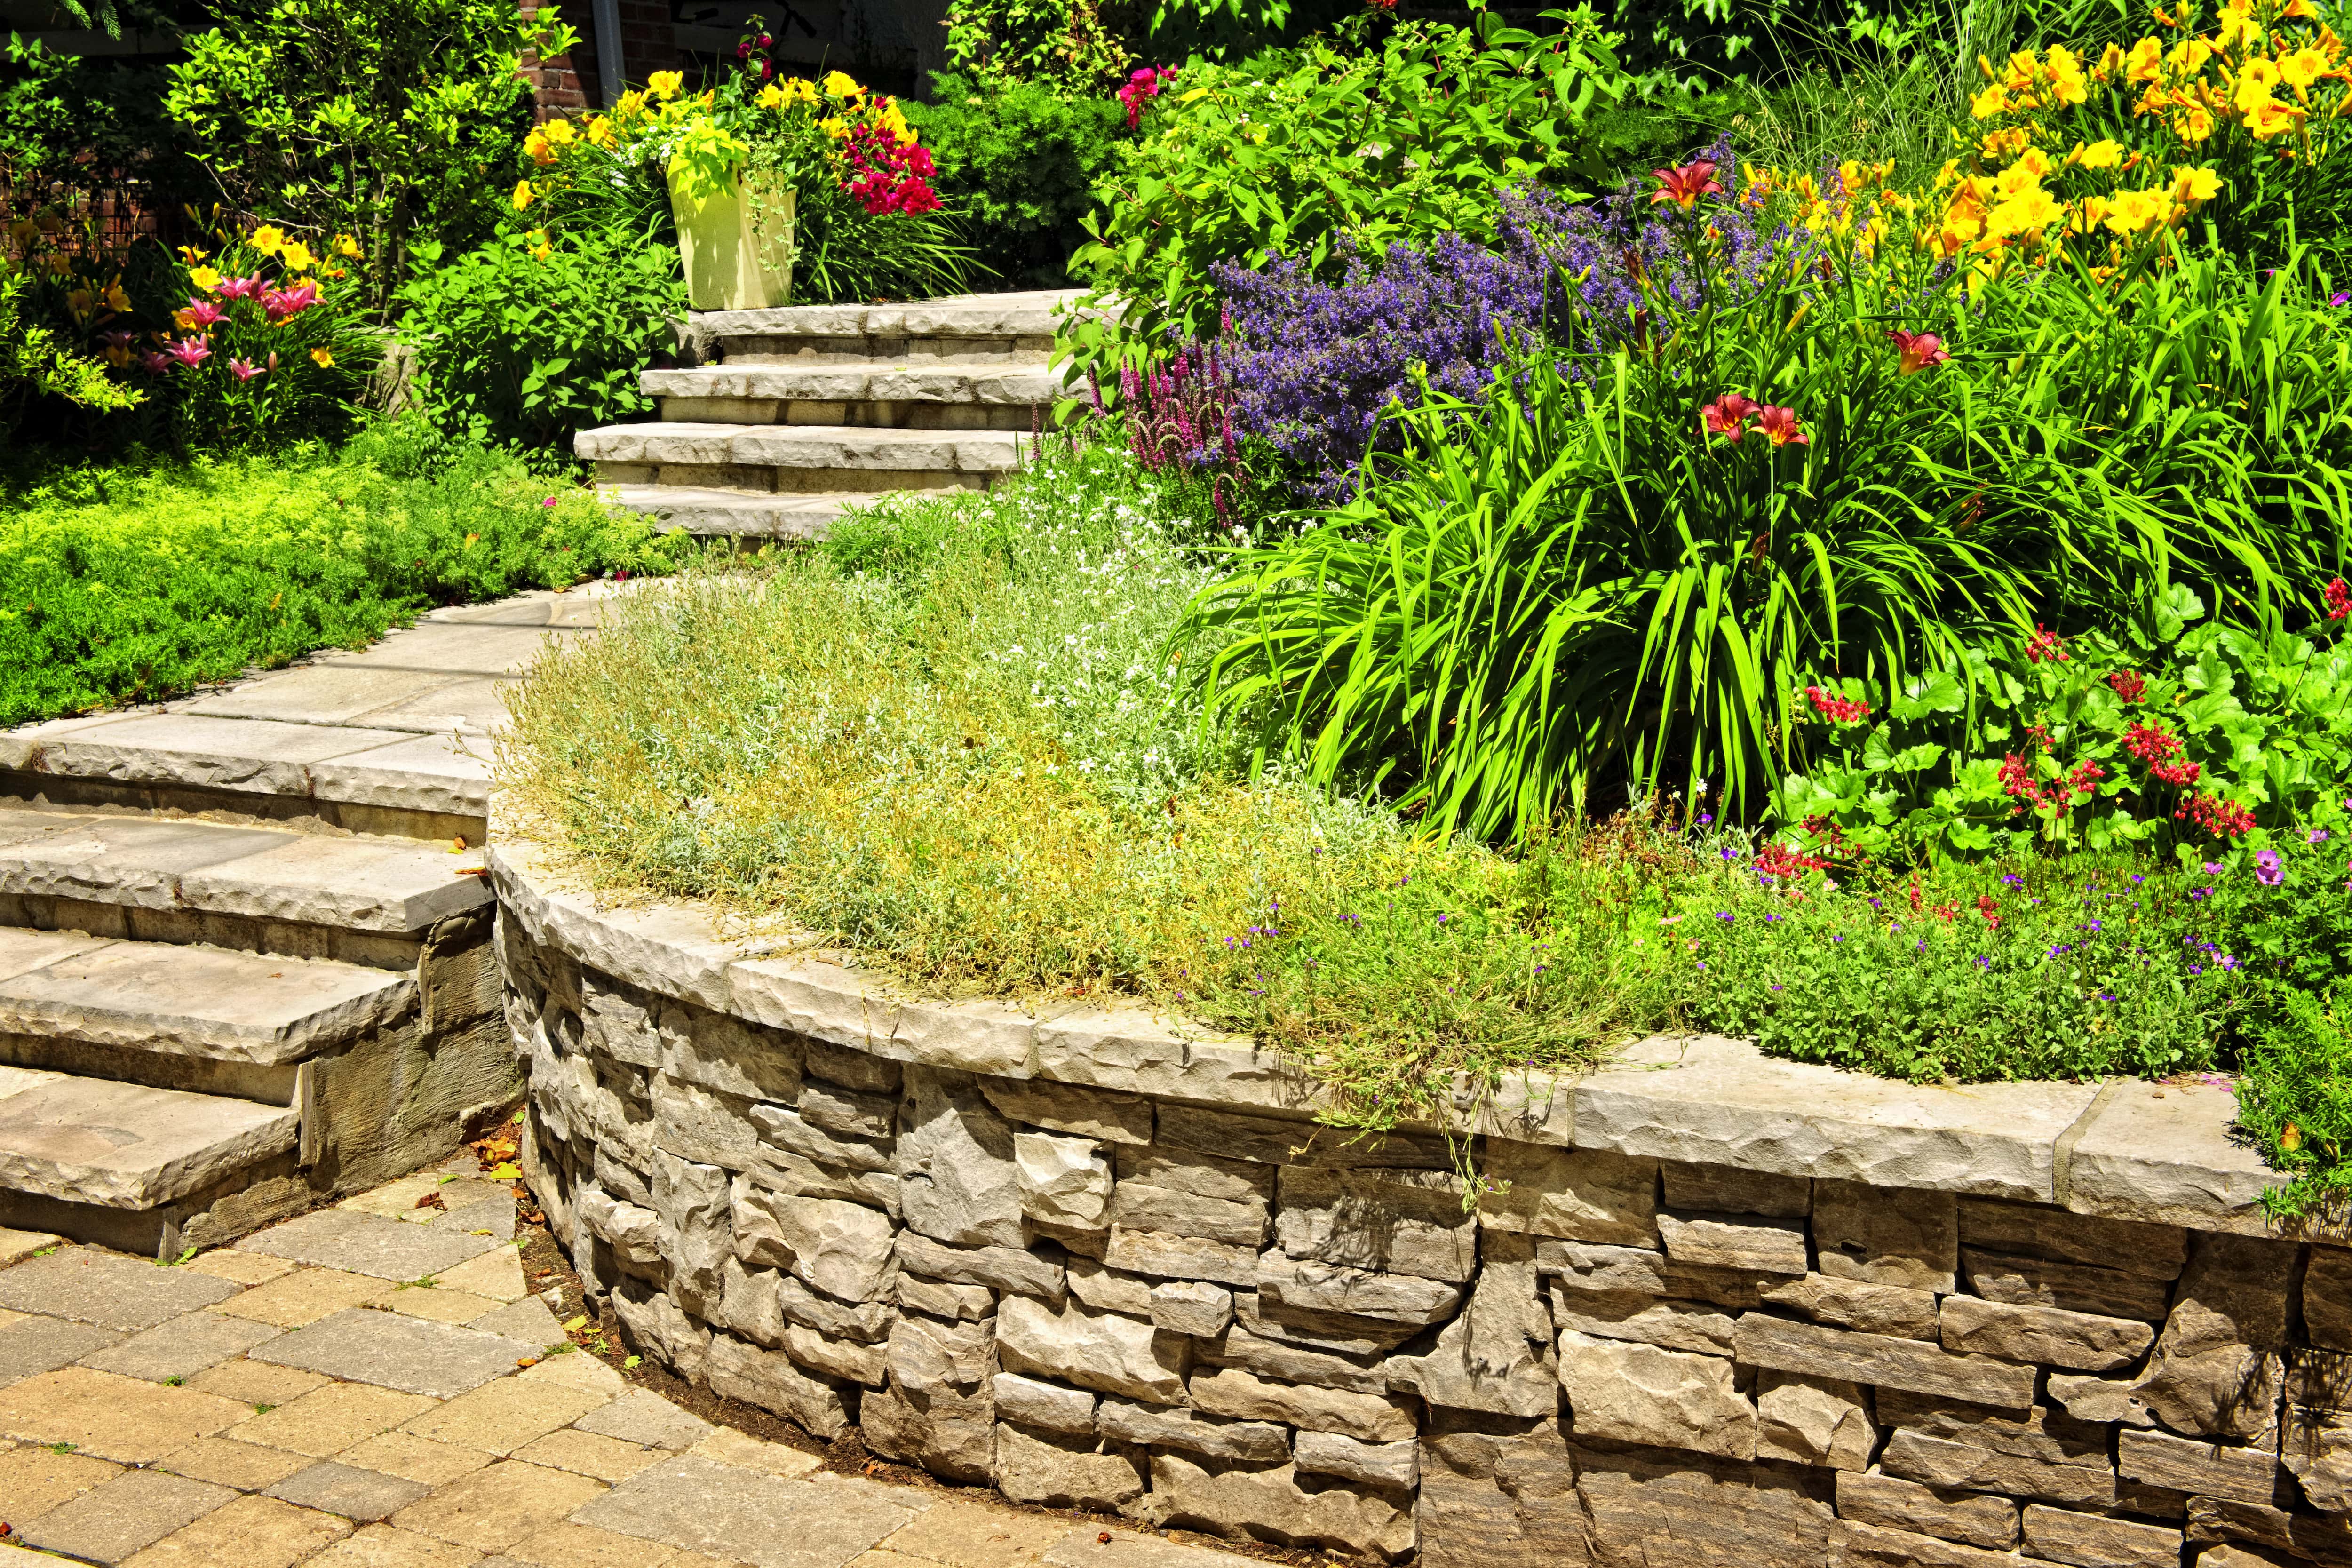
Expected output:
(281, 304)
(240, 288)
(242, 370)
(200, 315)
(2267, 869)
(155, 363)
(189, 351)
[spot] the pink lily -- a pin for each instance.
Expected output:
(199, 316)
(189, 351)
(281, 304)
(242, 370)
(240, 288)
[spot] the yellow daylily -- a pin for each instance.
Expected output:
(321, 358)
(2195, 184)
(665, 84)
(2100, 154)
(2270, 119)
(770, 97)
(116, 299)
(2146, 61)
(522, 194)
(345, 246)
(188, 253)
(205, 278)
(2302, 67)
(267, 240)
(297, 256)
(839, 84)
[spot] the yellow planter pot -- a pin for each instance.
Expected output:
(737, 251)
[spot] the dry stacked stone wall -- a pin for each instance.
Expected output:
(1238, 1323)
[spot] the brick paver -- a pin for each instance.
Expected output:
(289, 1402)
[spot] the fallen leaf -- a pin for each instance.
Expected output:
(508, 1172)
(432, 1201)
(1102, 1539)
(526, 1361)
(576, 1324)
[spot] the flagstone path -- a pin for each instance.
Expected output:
(376, 1385)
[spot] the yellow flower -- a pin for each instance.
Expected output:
(267, 240)
(2187, 56)
(2015, 181)
(346, 247)
(770, 97)
(2270, 119)
(2036, 162)
(633, 103)
(298, 256)
(321, 358)
(522, 194)
(839, 85)
(2302, 67)
(835, 127)
(2146, 61)
(599, 131)
(204, 278)
(1992, 102)
(559, 133)
(2029, 211)
(535, 148)
(2301, 11)
(2101, 154)
(188, 253)
(2195, 184)
(665, 84)
(116, 299)
(2194, 125)
(2089, 214)
(2137, 212)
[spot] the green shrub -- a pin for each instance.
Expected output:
(526, 342)
(381, 119)
(2295, 1097)
(33, 364)
(1061, 45)
(1019, 161)
(1327, 154)
(134, 582)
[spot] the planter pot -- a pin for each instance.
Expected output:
(737, 244)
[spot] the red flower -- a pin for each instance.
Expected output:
(1684, 186)
(1141, 88)
(1837, 710)
(2045, 643)
(1782, 860)
(2339, 600)
(2151, 743)
(2223, 818)
(1728, 416)
(1919, 350)
(1779, 427)
(2129, 684)
(1990, 908)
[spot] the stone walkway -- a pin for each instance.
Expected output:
(376, 1385)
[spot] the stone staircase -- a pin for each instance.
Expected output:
(782, 417)
(245, 944)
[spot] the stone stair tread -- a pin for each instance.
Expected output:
(1024, 314)
(125, 1146)
(379, 885)
(870, 381)
(742, 513)
(307, 748)
(190, 1000)
(832, 446)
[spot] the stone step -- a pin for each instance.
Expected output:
(71, 1143)
(909, 394)
(63, 989)
(738, 514)
(371, 901)
(967, 326)
(798, 459)
(401, 774)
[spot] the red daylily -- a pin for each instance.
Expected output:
(1919, 350)
(1728, 416)
(1778, 426)
(1684, 186)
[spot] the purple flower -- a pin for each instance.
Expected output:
(2338, 299)
(2212, 867)
(2316, 835)
(2267, 869)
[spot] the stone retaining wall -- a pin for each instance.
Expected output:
(1100, 1264)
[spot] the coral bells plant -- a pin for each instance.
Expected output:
(2209, 739)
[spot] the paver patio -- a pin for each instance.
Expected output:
(348, 1390)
